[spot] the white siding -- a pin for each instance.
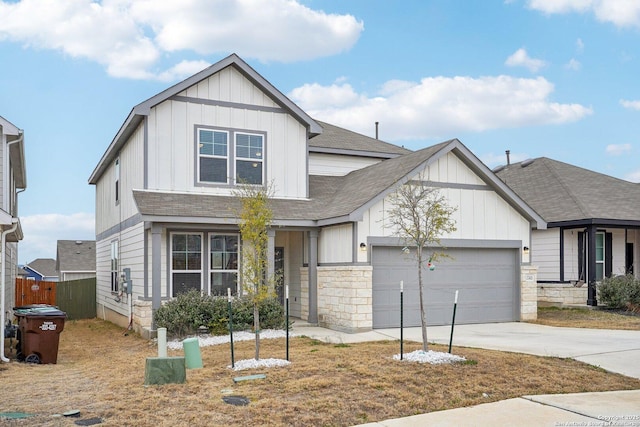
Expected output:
(481, 214)
(571, 250)
(172, 152)
(618, 261)
(545, 254)
(337, 165)
(131, 246)
(335, 244)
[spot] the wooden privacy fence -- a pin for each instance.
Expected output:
(77, 298)
(32, 292)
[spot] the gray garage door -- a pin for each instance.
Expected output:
(487, 280)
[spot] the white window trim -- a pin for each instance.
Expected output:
(212, 270)
(171, 270)
(247, 159)
(604, 254)
(114, 275)
(230, 146)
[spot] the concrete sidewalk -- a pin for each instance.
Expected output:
(613, 350)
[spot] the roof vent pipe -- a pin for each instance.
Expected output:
(377, 130)
(508, 152)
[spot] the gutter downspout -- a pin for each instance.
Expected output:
(13, 228)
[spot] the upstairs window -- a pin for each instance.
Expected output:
(213, 160)
(249, 155)
(117, 180)
(229, 157)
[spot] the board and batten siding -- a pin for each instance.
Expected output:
(108, 212)
(337, 165)
(171, 132)
(335, 244)
(481, 214)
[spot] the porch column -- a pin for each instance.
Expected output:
(313, 277)
(271, 252)
(156, 285)
(591, 266)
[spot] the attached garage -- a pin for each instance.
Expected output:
(487, 280)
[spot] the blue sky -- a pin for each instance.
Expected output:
(552, 78)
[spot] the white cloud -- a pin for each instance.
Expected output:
(618, 149)
(573, 64)
(633, 176)
(520, 58)
(439, 107)
(632, 105)
(621, 13)
(130, 37)
(579, 46)
(42, 231)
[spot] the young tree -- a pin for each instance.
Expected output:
(420, 215)
(255, 219)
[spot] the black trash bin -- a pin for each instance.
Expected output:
(39, 328)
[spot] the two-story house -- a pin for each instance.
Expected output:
(166, 211)
(13, 179)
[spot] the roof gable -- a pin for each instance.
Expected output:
(562, 192)
(76, 255)
(143, 109)
(45, 267)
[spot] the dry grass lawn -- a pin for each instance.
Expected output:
(587, 318)
(100, 371)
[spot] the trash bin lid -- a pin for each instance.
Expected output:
(38, 310)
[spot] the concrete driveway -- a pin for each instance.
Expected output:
(613, 350)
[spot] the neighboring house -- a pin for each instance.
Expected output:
(593, 222)
(165, 210)
(76, 259)
(41, 269)
(13, 180)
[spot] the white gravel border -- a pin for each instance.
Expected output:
(207, 340)
(432, 357)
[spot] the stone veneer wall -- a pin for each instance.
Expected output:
(345, 297)
(528, 292)
(559, 294)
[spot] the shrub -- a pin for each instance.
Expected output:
(184, 314)
(620, 291)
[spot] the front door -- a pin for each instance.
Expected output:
(629, 259)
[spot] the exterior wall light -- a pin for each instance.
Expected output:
(525, 250)
(363, 246)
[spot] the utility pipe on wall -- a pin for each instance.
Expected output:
(3, 260)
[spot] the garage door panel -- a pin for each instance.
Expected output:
(486, 280)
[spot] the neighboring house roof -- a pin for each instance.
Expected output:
(336, 140)
(76, 255)
(562, 193)
(16, 151)
(143, 109)
(333, 199)
(44, 267)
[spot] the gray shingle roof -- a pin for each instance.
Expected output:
(44, 266)
(337, 139)
(76, 255)
(562, 192)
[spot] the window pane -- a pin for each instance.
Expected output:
(194, 242)
(183, 282)
(599, 247)
(249, 172)
(179, 261)
(194, 261)
(599, 271)
(249, 146)
(213, 170)
(179, 242)
(221, 281)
